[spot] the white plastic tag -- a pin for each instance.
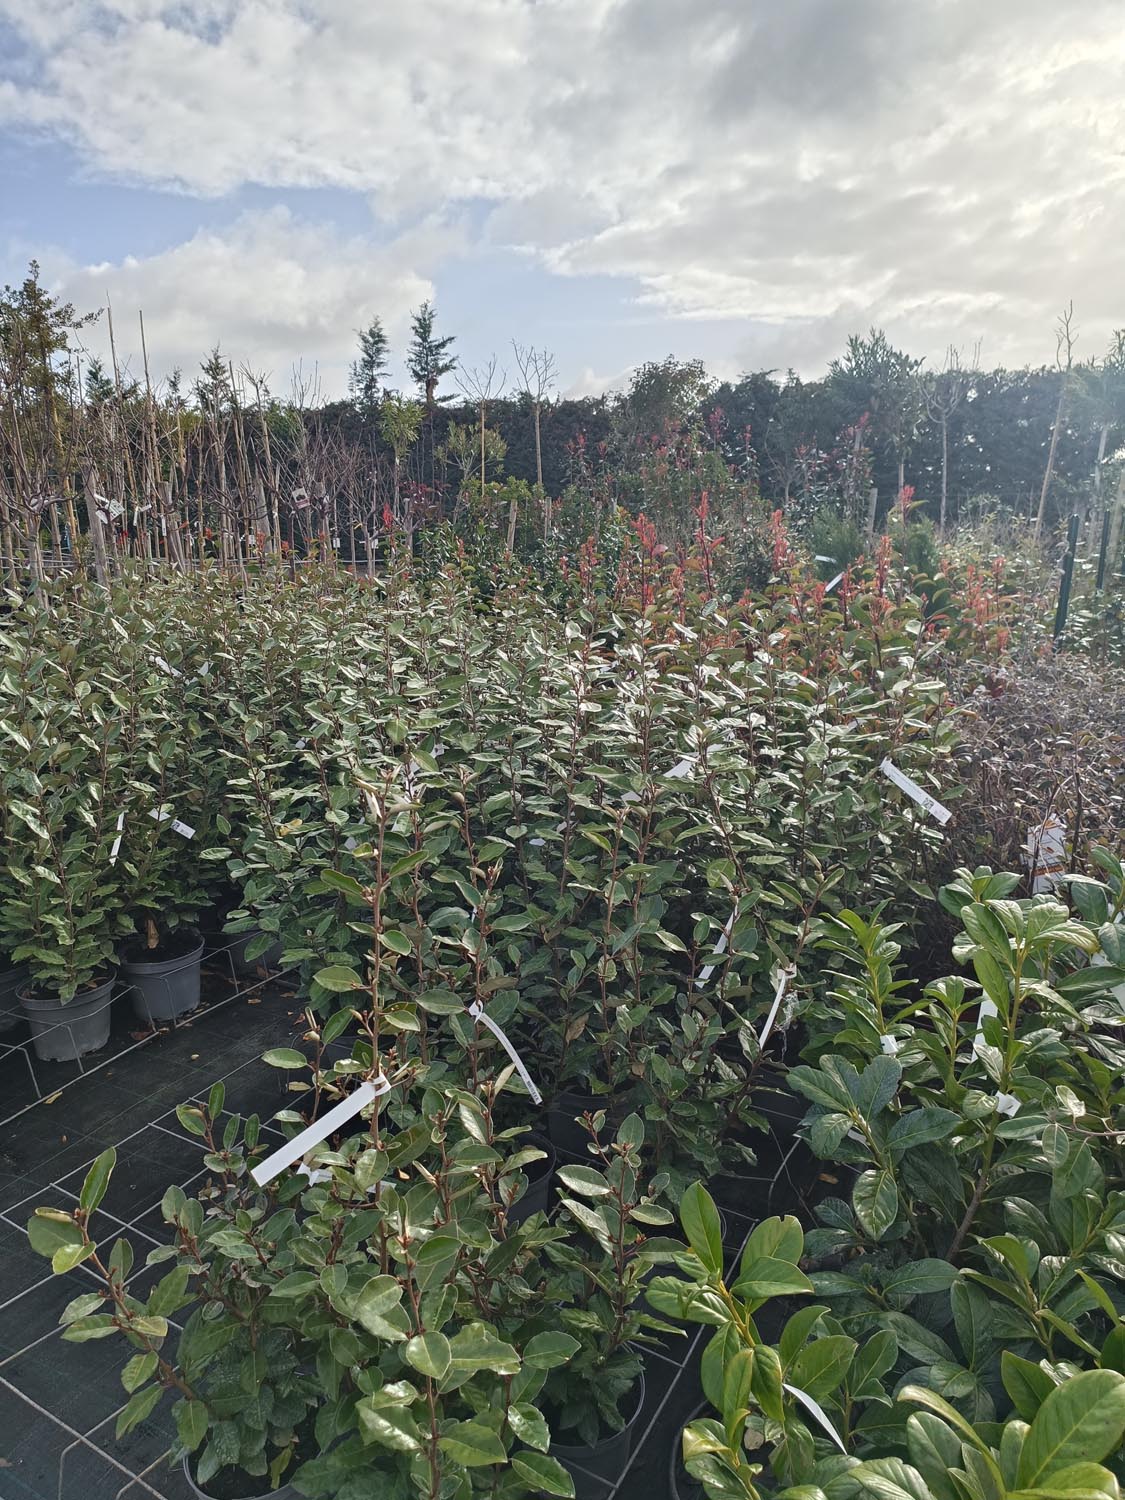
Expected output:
(1045, 848)
(817, 1411)
(986, 1009)
(681, 769)
(478, 1013)
(166, 667)
(936, 810)
(1006, 1104)
(185, 830)
(818, 558)
(889, 1045)
(778, 995)
(720, 947)
(830, 586)
(116, 850)
(318, 1131)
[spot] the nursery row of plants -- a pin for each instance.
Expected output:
(632, 834)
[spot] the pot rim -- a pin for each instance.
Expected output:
(165, 965)
(191, 1479)
(52, 1002)
(575, 1451)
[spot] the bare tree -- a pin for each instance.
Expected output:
(942, 392)
(538, 374)
(480, 386)
(1065, 339)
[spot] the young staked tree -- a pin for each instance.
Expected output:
(365, 381)
(1065, 340)
(942, 392)
(400, 421)
(537, 378)
(480, 386)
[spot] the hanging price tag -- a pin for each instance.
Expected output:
(936, 810)
(478, 1013)
(319, 1130)
(116, 850)
(778, 995)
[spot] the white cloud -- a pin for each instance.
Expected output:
(795, 168)
(273, 290)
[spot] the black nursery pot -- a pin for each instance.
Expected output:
(63, 1031)
(286, 1492)
(168, 987)
(681, 1486)
(607, 1458)
(540, 1175)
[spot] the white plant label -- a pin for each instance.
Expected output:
(478, 1013)
(778, 995)
(830, 586)
(276, 1163)
(166, 667)
(116, 850)
(986, 1009)
(936, 810)
(889, 1045)
(818, 558)
(1006, 1104)
(185, 830)
(817, 1411)
(1045, 848)
(681, 769)
(720, 947)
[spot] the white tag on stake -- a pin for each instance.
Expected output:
(830, 586)
(778, 995)
(986, 1009)
(318, 1131)
(166, 667)
(478, 1013)
(116, 850)
(936, 810)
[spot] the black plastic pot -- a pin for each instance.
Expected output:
(681, 1486)
(605, 1459)
(65, 1031)
(248, 967)
(286, 1492)
(168, 988)
(539, 1176)
(563, 1119)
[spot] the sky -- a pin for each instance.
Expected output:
(743, 181)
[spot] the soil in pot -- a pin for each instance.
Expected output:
(165, 978)
(608, 1457)
(65, 1031)
(540, 1175)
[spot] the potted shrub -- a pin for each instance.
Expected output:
(594, 1403)
(162, 959)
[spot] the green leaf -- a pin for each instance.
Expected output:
(875, 1202)
(476, 1347)
(139, 1369)
(920, 1276)
(543, 1474)
(50, 1229)
(769, 1277)
(473, 1445)
(1083, 1419)
(545, 1351)
(821, 1366)
(338, 978)
(586, 1180)
(779, 1238)
(429, 1354)
(192, 1422)
(97, 1180)
(516, 922)
(390, 1426)
(137, 1409)
(919, 1127)
(529, 1425)
(701, 1224)
(439, 1002)
(285, 1057)
(345, 884)
(396, 941)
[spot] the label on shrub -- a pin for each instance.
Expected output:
(318, 1131)
(936, 810)
(720, 947)
(116, 850)
(478, 1013)
(778, 996)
